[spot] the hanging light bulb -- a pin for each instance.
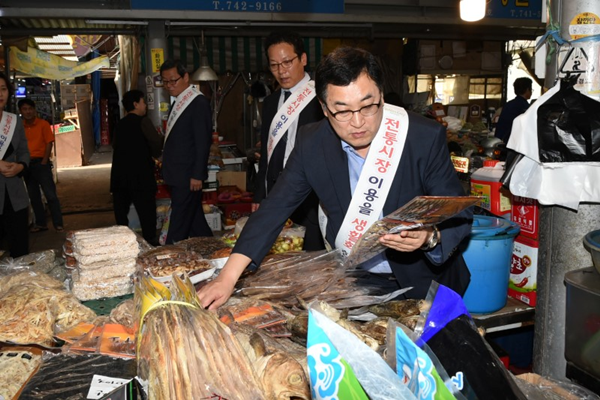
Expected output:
(204, 72)
(472, 10)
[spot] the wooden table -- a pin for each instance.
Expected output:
(514, 315)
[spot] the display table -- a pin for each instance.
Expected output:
(514, 315)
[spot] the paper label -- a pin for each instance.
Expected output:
(102, 385)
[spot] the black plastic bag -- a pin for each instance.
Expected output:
(568, 126)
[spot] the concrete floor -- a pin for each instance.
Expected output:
(85, 200)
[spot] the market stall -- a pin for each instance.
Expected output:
(129, 320)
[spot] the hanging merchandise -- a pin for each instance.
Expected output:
(559, 164)
(45, 65)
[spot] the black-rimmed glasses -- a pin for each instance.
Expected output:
(171, 82)
(287, 64)
(346, 115)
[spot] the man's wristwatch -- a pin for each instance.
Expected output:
(433, 241)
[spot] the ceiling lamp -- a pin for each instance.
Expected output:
(472, 10)
(204, 72)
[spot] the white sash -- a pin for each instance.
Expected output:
(375, 179)
(7, 130)
(288, 113)
(184, 99)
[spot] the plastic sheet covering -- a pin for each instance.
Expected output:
(465, 355)
(69, 376)
(565, 183)
(341, 366)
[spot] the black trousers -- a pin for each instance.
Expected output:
(16, 228)
(145, 206)
(187, 218)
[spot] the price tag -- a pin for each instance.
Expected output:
(102, 385)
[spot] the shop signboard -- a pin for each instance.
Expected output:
(515, 9)
(272, 6)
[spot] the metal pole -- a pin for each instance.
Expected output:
(561, 233)
(157, 97)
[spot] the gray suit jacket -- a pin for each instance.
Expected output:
(16, 152)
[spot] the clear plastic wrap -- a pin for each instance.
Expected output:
(185, 352)
(42, 262)
(34, 307)
(304, 276)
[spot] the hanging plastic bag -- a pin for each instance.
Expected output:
(565, 183)
(568, 126)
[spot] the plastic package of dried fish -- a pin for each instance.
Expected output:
(185, 352)
(305, 277)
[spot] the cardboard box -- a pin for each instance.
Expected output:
(522, 284)
(526, 213)
(214, 221)
(232, 178)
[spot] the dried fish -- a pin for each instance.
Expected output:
(209, 359)
(282, 376)
(399, 308)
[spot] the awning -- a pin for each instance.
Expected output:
(49, 66)
(235, 54)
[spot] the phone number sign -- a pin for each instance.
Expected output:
(515, 9)
(279, 6)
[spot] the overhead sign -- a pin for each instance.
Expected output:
(277, 6)
(514, 9)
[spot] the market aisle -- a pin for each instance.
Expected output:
(85, 199)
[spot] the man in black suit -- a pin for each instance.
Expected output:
(364, 153)
(132, 178)
(287, 59)
(185, 156)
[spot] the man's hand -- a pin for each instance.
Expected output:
(407, 241)
(195, 185)
(11, 169)
(217, 292)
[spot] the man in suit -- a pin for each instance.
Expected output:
(132, 178)
(363, 152)
(185, 156)
(287, 59)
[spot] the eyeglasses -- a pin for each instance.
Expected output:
(346, 115)
(287, 64)
(171, 82)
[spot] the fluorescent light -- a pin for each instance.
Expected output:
(472, 10)
(115, 22)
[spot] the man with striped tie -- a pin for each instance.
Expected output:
(293, 105)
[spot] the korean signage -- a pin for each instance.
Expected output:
(158, 58)
(272, 6)
(515, 9)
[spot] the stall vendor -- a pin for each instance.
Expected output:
(363, 147)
